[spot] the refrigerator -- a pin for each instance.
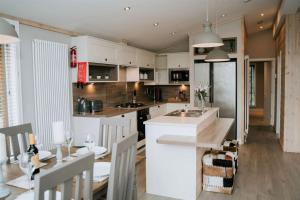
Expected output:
(222, 79)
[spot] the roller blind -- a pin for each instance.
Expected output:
(3, 100)
(9, 101)
(12, 84)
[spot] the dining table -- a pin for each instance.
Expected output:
(12, 171)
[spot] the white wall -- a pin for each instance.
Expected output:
(27, 35)
(227, 30)
(261, 45)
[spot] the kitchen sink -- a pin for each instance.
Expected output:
(186, 113)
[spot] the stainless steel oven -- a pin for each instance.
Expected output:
(179, 76)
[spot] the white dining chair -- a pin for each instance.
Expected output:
(16, 139)
(63, 176)
(121, 184)
(113, 130)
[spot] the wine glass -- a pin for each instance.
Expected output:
(69, 141)
(38, 143)
(26, 166)
(89, 142)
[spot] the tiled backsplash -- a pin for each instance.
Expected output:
(116, 93)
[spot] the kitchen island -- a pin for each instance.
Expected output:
(175, 144)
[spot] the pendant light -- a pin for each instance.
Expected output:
(207, 38)
(8, 33)
(217, 54)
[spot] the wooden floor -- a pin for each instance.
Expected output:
(265, 172)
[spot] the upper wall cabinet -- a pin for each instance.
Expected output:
(126, 55)
(178, 60)
(145, 59)
(91, 49)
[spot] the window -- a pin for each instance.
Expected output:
(9, 86)
(252, 86)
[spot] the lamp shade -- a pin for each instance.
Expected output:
(207, 38)
(217, 55)
(8, 33)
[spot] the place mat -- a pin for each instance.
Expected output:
(50, 157)
(96, 156)
(21, 182)
(29, 195)
(101, 171)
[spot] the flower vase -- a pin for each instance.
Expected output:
(201, 103)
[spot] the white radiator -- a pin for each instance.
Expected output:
(51, 88)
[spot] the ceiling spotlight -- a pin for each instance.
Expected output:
(262, 14)
(261, 27)
(156, 24)
(223, 15)
(127, 8)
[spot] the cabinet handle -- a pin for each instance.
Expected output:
(129, 62)
(147, 64)
(158, 106)
(178, 65)
(122, 115)
(106, 59)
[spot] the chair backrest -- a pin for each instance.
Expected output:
(16, 139)
(122, 173)
(63, 175)
(112, 130)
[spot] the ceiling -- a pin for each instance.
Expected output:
(108, 19)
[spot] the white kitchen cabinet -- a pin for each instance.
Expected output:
(91, 49)
(161, 62)
(158, 110)
(177, 106)
(145, 59)
(133, 120)
(178, 60)
(162, 77)
(162, 72)
(126, 55)
(82, 126)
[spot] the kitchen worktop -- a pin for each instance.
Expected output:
(112, 111)
(182, 121)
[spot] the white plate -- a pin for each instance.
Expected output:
(101, 171)
(30, 196)
(44, 155)
(97, 150)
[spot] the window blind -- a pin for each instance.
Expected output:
(3, 101)
(12, 81)
(9, 101)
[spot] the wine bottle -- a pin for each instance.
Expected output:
(34, 156)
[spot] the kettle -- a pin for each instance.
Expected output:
(84, 105)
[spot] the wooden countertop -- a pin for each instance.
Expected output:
(111, 111)
(210, 137)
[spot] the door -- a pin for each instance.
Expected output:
(247, 96)
(278, 96)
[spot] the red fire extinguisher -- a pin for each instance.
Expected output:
(73, 57)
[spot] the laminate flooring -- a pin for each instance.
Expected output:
(265, 172)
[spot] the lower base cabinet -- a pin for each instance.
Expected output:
(83, 126)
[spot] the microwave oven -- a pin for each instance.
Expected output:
(179, 76)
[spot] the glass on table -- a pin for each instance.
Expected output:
(69, 141)
(26, 166)
(89, 142)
